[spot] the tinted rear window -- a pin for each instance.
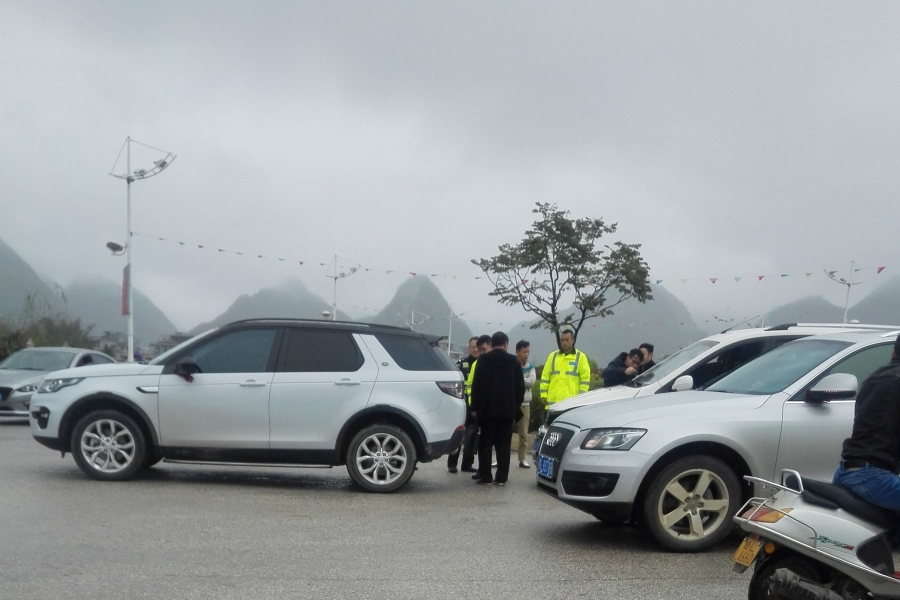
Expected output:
(317, 351)
(414, 353)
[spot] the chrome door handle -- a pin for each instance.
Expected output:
(346, 382)
(253, 383)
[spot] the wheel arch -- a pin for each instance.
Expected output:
(723, 452)
(382, 414)
(106, 401)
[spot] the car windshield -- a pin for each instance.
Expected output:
(672, 363)
(162, 358)
(776, 370)
(38, 360)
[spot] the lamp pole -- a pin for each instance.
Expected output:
(338, 274)
(129, 176)
(847, 282)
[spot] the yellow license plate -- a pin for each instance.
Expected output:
(747, 551)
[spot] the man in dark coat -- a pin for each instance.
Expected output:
(498, 389)
(622, 369)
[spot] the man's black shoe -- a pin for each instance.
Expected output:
(469, 470)
(476, 476)
(452, 469)
(483, 482)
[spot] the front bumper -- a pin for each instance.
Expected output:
(15, 405)
(602, 483)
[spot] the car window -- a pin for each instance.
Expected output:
(85, 360)
(776, 370)
(319, 351)
(863, 363)
(39, 360)
(672, 363)
(726, 361)
(99, 359)
(414, 353)
(245, 351)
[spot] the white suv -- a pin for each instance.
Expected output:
(263, 392)
(700, 364)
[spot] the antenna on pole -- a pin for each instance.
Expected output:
(847, 282)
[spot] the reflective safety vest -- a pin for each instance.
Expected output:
(469, 384)
(565, 375)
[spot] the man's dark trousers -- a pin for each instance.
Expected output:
(468, 445)
(496, 434)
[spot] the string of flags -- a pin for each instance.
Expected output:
(712, 280)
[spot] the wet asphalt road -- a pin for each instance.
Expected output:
(226, 533)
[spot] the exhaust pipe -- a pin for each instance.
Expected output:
(790, 585)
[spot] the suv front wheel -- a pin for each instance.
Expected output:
(381, 458)
(108, 445)
(690, 503)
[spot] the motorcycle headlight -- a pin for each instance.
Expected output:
(612, 439)
(26, 389)
(54, 385)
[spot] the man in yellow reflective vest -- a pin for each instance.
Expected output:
(566, 372)
(470, 441)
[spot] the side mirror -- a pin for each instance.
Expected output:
(186, 366)
(683, 383)
(837, 386)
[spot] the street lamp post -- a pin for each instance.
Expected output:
(847, 282)
(337, 274)
(118, 249)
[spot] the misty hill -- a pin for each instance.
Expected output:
(812, 309)
(98, 302)
(290, 300)
(664, 322)
(419, 294)
(20, 280)
(881, 306)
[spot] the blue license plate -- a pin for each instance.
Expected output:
(545, 466)
(536, 446)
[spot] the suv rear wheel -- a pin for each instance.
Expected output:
(690, 504)
(381, 458)
(108, 445)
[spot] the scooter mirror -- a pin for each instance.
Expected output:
(837, 386)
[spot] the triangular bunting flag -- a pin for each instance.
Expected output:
(259, 256)
(832, 272)
(880, 269)
(808, 274)
(684, 281)
(714, 279)
(760, 277)
(736, 279)
(301, 262)
(182, 243)
(221, 250)
(784, 274)
(411, 273)
(658, 281)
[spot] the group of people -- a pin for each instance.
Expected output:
(628, 365)
(498, 395)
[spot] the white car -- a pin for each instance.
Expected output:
(700, 364)
(263, 392)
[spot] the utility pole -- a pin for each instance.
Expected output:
(337, 274)
(847, 282)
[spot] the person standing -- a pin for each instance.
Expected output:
(523, 350)
(498, 388)
(468, 446)
(566, 372)
(622, 368)
(647, 363)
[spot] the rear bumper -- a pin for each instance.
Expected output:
(438, 449)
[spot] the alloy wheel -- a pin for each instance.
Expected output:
(693, 504)
(381, 458)
(107, 446)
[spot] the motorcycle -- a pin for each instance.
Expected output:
(812, 540)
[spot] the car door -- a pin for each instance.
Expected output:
(223, 413)
(813, 433)
(322, 378)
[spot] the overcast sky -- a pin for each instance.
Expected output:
(730, 139)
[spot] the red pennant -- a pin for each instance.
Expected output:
(259, 256)
(301, 262)
(760, 277)
(713, 279)
(880, 269)
(199, 246)
(411, 273)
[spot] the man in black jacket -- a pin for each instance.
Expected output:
(623, 368)
(871, 455)
(498, 389)
(471, 438)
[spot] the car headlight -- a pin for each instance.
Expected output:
(612, 439)
(54, 385)
(27, 389)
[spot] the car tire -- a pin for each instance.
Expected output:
(690, 504)
(381, 458)
(108, 445)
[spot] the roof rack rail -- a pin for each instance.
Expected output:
(865, 326)
(320, 322)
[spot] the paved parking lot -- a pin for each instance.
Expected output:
(223, 533)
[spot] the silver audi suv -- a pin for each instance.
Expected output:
(675, 462)
(263, 392)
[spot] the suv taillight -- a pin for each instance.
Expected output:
(454, 388)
